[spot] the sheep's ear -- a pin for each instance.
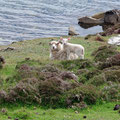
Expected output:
(49, 43)
(64, 43)
(60, 42)
(61, 38)
(69, 38)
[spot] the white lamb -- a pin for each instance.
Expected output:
(58, 53)
(75, 49)
(63, 40)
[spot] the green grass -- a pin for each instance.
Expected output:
(38, 50)
(96, 112)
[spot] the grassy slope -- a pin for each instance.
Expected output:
(39, 50)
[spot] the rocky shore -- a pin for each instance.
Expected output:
(106, 19)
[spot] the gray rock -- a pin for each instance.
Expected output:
(72, 31)
(106, 20)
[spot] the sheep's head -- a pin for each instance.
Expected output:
(55, 46)
(63, 40)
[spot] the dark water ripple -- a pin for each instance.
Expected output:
(29, 19)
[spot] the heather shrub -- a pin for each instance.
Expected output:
(111, 61)
(83, 93)
(103, 52)
(77, 64)
(111, 92)
(98, 80)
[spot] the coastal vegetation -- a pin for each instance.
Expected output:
(32, 87)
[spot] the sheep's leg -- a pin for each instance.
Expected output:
(68, 55)
(82, 56)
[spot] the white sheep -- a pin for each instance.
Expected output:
(75, 49)
(58, 53)
(55, 47)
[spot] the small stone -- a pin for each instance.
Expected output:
(40, 43)
(84, 117)
(4, 110)
(72, 31)
(14, 42)
(9, 117)
(43, 113)
(99, 38)
(37, 113)
(9, 49)
(119, 111)
(27, 59)
(117, 107)
(2, 60)
(16, 119)
(76, 112)
(34, 108)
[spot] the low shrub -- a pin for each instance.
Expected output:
(84, 93)
(113, 75)
(111, 61)
(77, 64)
(111, 92)
(98, 80)
(104, 52)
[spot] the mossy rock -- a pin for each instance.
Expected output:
(104, 52)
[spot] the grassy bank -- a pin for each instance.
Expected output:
(35, 54)
(97, 112)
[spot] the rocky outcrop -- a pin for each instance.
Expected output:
(72, 31)
(112, 30)
(106, 20)
(87, 22)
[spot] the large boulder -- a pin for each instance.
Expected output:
(87, 22)
(112, 17)
(106, 20)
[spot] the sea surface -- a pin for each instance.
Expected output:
(30, 19)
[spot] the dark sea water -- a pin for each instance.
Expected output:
(29, 19)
